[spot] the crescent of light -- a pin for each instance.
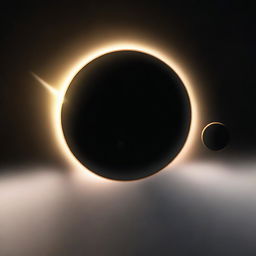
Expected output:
(104, 50)
(202, 133)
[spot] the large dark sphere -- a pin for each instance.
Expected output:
(126, 115)
(215, 136)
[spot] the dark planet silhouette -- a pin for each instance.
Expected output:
(215, 136)
(126, 115)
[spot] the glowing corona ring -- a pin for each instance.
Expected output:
(57, 124)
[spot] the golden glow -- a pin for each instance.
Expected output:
(186, 150)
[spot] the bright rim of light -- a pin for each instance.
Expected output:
(108, 49)
(212, 123)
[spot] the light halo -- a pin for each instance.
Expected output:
(57, 124)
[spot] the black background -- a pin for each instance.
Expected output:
(217, 42)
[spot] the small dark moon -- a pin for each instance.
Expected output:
(215, 136)
(126, 115)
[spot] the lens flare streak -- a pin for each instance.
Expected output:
(47, 86)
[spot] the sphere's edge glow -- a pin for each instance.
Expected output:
(57, 124)
(204, 129)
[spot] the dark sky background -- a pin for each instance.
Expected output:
(170, 214)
